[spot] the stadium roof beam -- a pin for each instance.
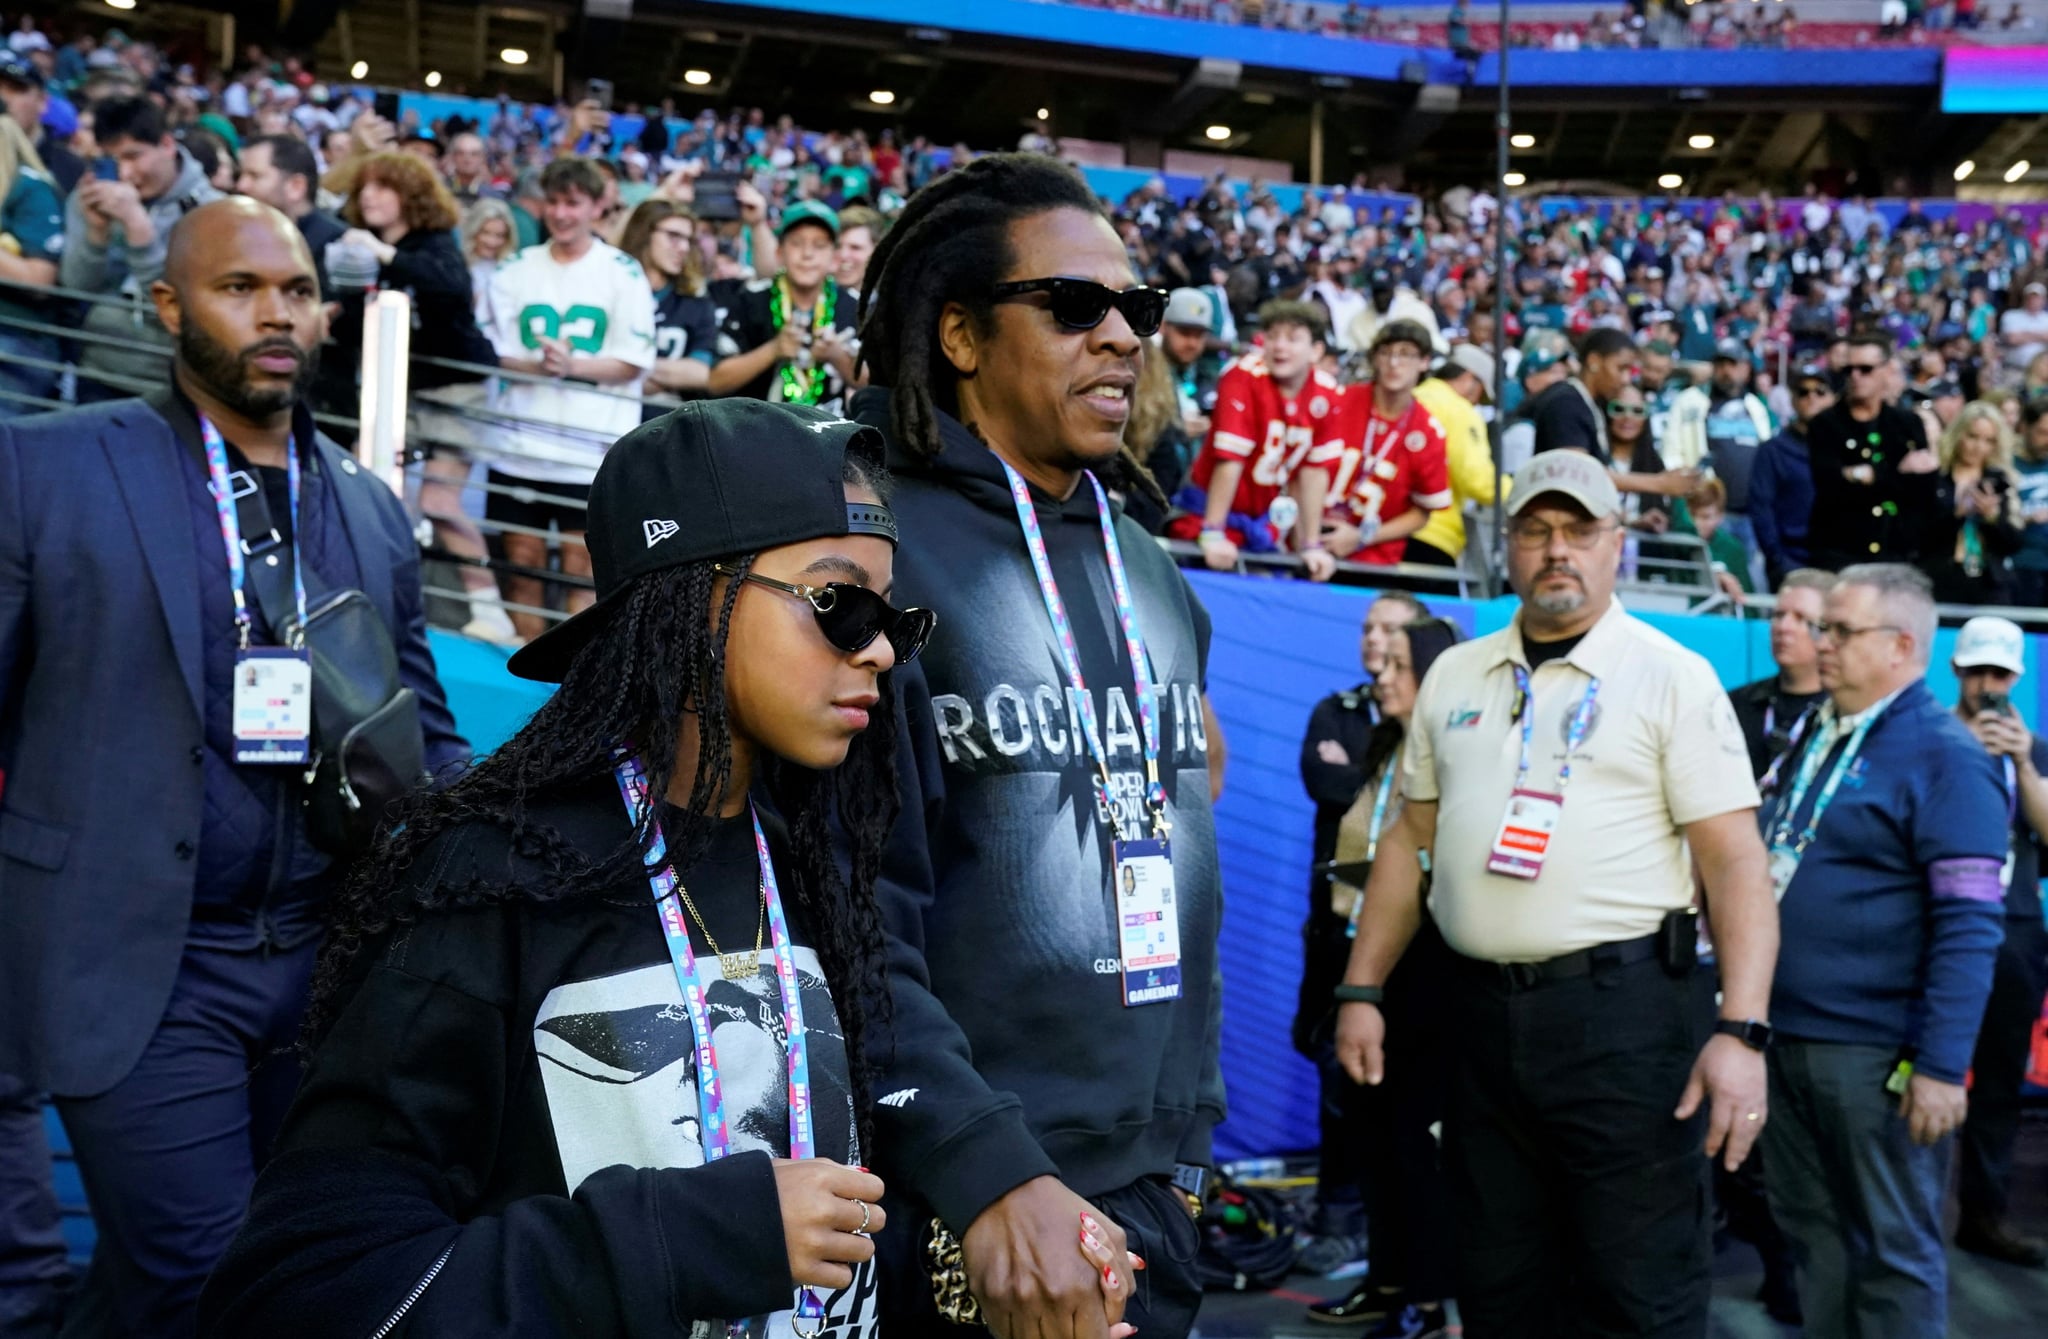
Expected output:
(1204, 87)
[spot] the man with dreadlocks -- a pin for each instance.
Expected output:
(1056, 902)
(790, 338)
(541, 1102)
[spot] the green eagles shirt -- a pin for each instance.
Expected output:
(33, 215)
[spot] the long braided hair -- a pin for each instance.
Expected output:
(661, 655)
(950, 244)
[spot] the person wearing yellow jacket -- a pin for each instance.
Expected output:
(1463, 382)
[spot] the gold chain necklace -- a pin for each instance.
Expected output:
(731, 966)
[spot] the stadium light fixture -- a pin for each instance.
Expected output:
(359, 70)
(1671, 181)
(433, 79)
(882, 97)
(1965, 168)
(1045, 113)
(1700, 141)
(513, 55)
(1218, 133)
(2017, 170)
(120, 4)
(696, 78)
(1522, 141)
(1513, 179)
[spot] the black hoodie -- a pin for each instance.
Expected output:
(1014, 1056)
(510, 1091)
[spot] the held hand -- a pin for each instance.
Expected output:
(1678, 483)
(829, 1211)
(1331, 752)
(1733, 1077)
(1653, 522)
(2000, 733)
(679, 186)
(1362, 1042)
(1218, 553)
(1342, 538)
(1730, 587)
(371, 133)
(753, 205)
(1196, 426)
(1023, 1268)
(1921, 461)
(1932, 1109)
(1318, 564)
(789, 341)
(1859, 474)
(1116, 1268)
(1988, 502)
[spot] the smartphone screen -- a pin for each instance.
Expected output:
(106, 169)
(386, 106)
(599, 91)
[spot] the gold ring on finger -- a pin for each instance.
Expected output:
(865, 1216)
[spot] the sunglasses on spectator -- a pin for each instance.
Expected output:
(1083, 304)
(851, 616)
(1620, 409)
(1863, 369)
(1810, 390)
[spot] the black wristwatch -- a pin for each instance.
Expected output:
(1361, 994)
(1750, 1032)
(1190, 1180)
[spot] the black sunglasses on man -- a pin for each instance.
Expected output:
(1083, 304)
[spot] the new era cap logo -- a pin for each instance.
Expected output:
(656, 531)
(824, 423)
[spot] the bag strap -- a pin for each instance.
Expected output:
(268, 585)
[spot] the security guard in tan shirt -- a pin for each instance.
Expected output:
(1567, 774)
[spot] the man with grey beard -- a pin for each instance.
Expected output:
(1559, 770)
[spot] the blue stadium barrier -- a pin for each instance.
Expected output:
(1278, 648)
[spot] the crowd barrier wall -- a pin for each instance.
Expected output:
(1279, 647)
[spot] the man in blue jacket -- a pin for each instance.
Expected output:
(160, 902)
(1887, 836)
(1781, 485)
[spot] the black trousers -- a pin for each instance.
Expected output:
(1582, 1203)
(1153, 1216)
(2000, 1067)
(1408, 1196)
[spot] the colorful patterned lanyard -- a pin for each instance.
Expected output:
(1809, 768)
(1792, 738)
(1070, 654)
(1582, 721)
(223, 490)
(1369, 459)
(710, 1097)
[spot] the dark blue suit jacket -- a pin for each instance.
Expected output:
(100, 723)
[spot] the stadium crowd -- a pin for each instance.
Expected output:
(1800, 385)
(560, 273)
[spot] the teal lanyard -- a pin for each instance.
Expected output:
(1372, 836)
(1809, 768)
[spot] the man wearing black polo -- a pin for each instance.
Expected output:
(1873, 476)
(1770, 708)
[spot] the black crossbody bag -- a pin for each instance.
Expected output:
(368, 747)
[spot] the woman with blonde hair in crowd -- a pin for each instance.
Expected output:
(31, 238)
(490, 237)
(1973, 524)
(402, 218)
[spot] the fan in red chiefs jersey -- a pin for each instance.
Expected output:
(1262, 477)
(1392, 472)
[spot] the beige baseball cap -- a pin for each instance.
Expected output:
(1573, 473)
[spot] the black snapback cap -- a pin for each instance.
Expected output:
(713, 479)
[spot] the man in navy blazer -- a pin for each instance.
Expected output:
(160, 905)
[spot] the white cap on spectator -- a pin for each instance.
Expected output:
(1573, 473)
(1191, 306)
(1991, 643)
(2036, 287)
(1471, 358)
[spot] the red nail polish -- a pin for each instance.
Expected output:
(1109, 1275)
(1137, 1262)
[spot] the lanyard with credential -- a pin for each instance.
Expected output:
(1575, 733)
(1802, 781)
(1070, 654)
(231, 528)
(1372, 836)
(1800, 725)
(803, 1141)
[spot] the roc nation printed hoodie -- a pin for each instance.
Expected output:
(1013, 1053)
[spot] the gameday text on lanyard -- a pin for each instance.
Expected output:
(803, 1142)
(1532, 816)
(273, 696)
(1147, 913)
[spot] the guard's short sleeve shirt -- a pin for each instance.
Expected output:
(1663, 750)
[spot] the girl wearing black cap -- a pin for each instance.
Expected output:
(1407, 1200)
(510, 1124)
